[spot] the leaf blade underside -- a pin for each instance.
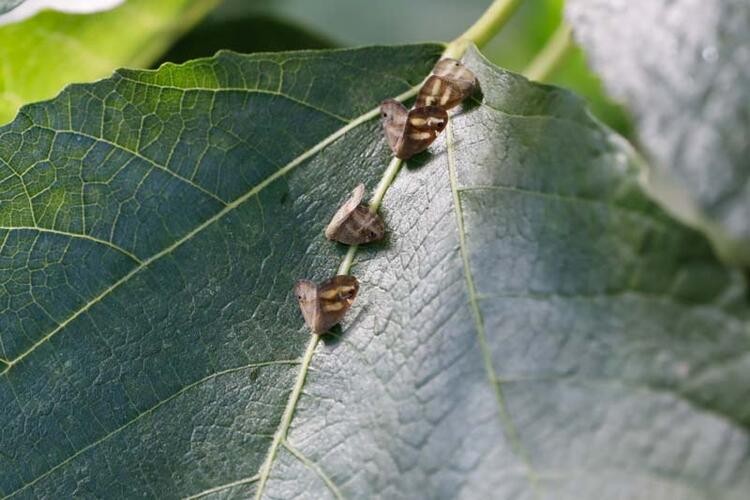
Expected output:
(503, 347)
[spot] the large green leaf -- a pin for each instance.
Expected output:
(41, 55)
(682, 68)
(533, 325)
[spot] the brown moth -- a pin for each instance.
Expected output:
(450, 83)
(354, 223)
(411, 131)
(325, 304)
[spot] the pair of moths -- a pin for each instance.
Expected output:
(411, 131)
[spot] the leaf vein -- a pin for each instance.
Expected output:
(510, 429)
(73, 235)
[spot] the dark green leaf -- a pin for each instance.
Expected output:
(556, 333)
(682, 68)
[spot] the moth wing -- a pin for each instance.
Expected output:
(361, 226)
(372, 226)
(307, 295)
(422, 128)
(439, 91)
(335, 297)
(394, 117)
(458, 74)
(344, 213)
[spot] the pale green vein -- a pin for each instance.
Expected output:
(210, 221)
(510, 428)
(286, 419)
(239, 89)
(149, 412)
(28, 197)
(223, 487)
(75, 236)
(316, 469)
(140, 156)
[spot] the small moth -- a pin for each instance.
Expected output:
(450, 83)
(325, 304)
(411, 131)
(354, 223)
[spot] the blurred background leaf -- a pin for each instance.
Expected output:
(683, 68)
(528, 32)
(8, 5)
(12, 11)
(247, 33)
(41, 55)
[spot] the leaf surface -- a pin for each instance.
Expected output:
(534, 326)
(682, 67)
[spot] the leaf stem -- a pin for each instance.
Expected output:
(548, 60)
(484, 29)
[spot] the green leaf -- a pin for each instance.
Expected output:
(75, 48)
(681, 67)
(533, 324)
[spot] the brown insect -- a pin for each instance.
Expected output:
(354, 223)
(411, 131)
(450, 83)
(325, 304)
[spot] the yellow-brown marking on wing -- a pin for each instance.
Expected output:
(446, 95)
(329, 294)
(420, 136)
(333, 306)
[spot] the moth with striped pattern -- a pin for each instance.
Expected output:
(324, 305)
(411, 131)
(354, 223)
(450, 83)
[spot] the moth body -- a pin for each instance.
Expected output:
(354, 223)
(449, 84)
(324, 305)
(409, 132)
